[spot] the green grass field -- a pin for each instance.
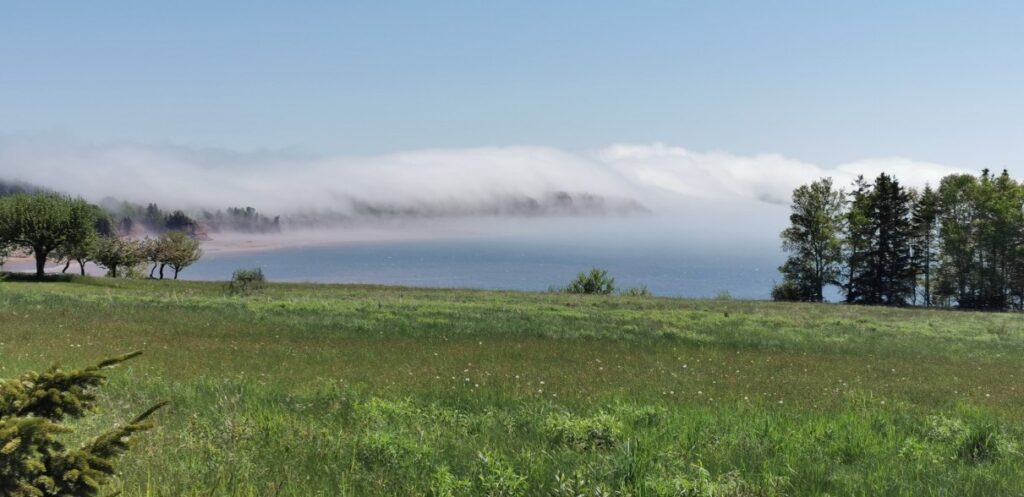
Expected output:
(323, 390)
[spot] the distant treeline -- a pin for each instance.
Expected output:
(881, 243)
(151, 218)
(129, 218)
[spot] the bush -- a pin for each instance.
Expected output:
(33, 462)
(246, 281)
(723, 295)
(787, 291)
(596, 282)
(639, 291)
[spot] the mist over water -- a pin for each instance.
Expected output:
(663, 255)
(518, 217)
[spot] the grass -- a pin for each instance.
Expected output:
(306, 390)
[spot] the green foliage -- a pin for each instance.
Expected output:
(497, 478)
(446, 484)
(118, 253)
(789, 291)
(42, 222)
(246, 281)
(596, 282)
(602, 431)
(881, 271)
(177, 250)
(813, 239)
(637, 291)
(33, 460)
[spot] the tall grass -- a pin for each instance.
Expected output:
(305, 390)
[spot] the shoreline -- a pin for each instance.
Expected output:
(233, 243)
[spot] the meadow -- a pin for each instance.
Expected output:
(325, 390)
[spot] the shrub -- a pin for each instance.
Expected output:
(602, 431)
(723, 295)
(33, 462)
(246, 281)
(787, 291)
(639, 291)
(596, 282)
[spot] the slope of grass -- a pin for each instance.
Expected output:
(359, 390)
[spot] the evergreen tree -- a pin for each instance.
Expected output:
(893, 269)
(924, 220)
(813, 242)
(33, 460)
(882, 273)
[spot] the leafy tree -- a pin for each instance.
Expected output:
(596, 281)
(116, 252)
(42, 222)
(956, 234)
(812, 240)
(178, 251)
(81, 251)
(151, 253)
(33, 460)
(857, 238)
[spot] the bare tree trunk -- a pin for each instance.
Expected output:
(66, 266)
(151, 270)
(175, 272)
(81, 266)
(162, 271)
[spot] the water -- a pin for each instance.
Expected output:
(519, 263)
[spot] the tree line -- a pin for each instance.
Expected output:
(881, 243)
(65, 230)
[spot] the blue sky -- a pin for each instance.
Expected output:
(824, 82)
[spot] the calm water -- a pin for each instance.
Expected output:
(515, 263)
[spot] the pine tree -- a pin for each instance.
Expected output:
(879, 237)
(33, 461)
(924, 225)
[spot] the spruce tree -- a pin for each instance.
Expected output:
(33, 460)
(879, 234)
(925, 235)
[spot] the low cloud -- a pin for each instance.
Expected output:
(654, 177)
